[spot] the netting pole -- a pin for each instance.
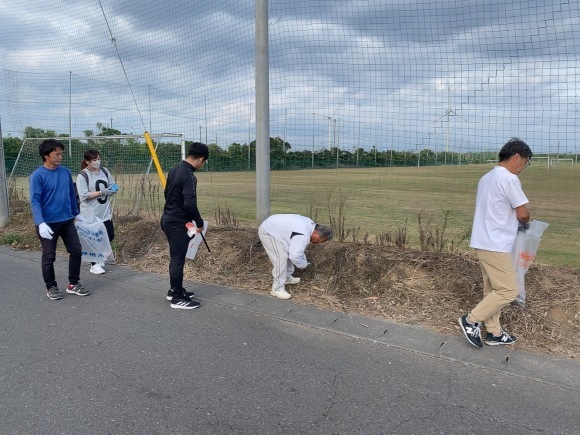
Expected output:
(4, 207)
(182, 147)
(262, 113)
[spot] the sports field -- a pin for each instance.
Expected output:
(379, 201)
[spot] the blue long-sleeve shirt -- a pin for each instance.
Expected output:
(52, 195)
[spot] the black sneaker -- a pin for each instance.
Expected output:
(77, 289)
(183, 303)
(53, 293)
(504, 338)
(170, 294)
(471, 331)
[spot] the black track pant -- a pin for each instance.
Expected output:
(68, 233)
(178, 240)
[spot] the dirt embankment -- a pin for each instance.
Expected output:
(416, 287)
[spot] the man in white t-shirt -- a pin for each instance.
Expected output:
(500, 208)
(285, 238)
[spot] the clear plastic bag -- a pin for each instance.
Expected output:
(94, 240)
(195, 242)
(523, 254)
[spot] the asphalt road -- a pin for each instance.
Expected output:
(121, 361)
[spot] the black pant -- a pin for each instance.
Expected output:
(178, 240)
(68, 232)
(110, 232)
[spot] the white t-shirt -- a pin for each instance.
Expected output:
(495, 223)
(293, 231)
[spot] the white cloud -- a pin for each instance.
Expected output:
(388, 68)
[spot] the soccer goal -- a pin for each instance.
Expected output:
(561, 163)
(127, 157)
(541, 162)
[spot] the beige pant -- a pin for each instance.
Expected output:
(500, 288)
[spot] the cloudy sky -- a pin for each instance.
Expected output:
(463, 75)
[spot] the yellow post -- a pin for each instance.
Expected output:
(155, 159)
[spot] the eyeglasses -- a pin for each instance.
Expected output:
(527, 161)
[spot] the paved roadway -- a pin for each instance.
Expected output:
(120, 361)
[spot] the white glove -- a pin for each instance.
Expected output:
(45, 231)
(79, 218)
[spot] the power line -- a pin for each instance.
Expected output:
(114, 41)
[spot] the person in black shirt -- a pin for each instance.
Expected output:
(181, 208)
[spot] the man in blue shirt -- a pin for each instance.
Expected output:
(54, 209)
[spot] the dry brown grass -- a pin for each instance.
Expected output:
(431, 289)
(410, 286)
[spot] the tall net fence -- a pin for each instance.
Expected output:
(390, 110)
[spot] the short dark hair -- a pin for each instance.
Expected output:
(47, 146)
(198, 149)
(515, 146)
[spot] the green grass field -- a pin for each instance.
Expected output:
(381, 200)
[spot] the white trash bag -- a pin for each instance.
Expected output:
(523, 254)
(94, 240)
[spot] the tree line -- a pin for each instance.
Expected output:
(133, 154)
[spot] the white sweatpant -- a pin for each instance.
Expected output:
(283, 267)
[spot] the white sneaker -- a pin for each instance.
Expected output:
(97, 269)
(281, 294)
(292, 280)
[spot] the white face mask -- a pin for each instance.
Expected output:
(96, 164)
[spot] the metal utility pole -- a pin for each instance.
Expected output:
(69, 113)
(262, 113)
(205, 115)
(4, 207)
(250, 140)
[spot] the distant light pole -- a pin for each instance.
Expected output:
(313, 122)
(335, 144)
(418, 154)
(331, 119)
